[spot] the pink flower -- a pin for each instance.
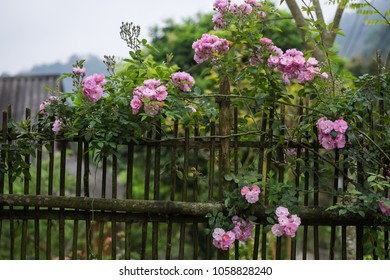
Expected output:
(273, 60)
(251, 193)
(56, 126)
(277, 230)
(152, 83)
(161, 93)
(340, 125)
(208, 47)
(242, 228)
(183, 81)
(150, 96)
(219, 21)
(283, 220)
(326, 126)
(328, 142)
(245, 8)
(255, 188)
(266, 41)
(252, 197)
(93, 87)
(44, 104)
(340, 141)
(223, 240)
(286, 225)
(324, 75)
(78, 71)
(312, 61)
(281, 211)
(261, 14)
(295, 220)
(290, 229)
(99, 79)
(221, 5)
(135, 104)
(384, 209)
(245, 190)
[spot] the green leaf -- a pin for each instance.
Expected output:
(270, 220)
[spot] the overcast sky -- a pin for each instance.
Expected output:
(35, 32)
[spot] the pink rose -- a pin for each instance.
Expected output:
(340, 141)
(277, 230)
(252, 197)
(281, 211)
(340, 125)
(135, 104)
(384, 209)
(290, 229)
(223, 240)
(56, 126)
(328, 142)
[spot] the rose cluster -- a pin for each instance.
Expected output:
(93, 87)
(46, 103)
(331, 135)
(292, 64)
(150, 96)
(223, 7)
(251, 193)
(242, 228)
(286, 225)
(242, 231)
(208, 47)
(183, 81)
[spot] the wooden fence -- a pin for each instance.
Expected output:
(150, 199)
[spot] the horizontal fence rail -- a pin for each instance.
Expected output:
(198, 210)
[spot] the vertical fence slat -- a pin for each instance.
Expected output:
(38, 183)
(156, 187)
(129, 195)
(173, 181)
(261, 171)
(146, 195)
(50, 192)
(316, 188)
(114, 195)
(103, 195)
(79, 162)
(185, 188)
(334, 201)
(62, 145)
(26, 186)
(195, 187)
